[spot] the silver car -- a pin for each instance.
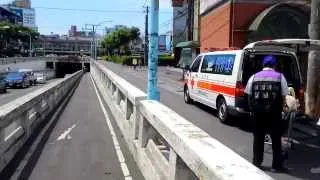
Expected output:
(40, 78)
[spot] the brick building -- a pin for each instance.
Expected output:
(235, 23)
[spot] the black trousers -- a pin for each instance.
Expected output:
(267, 123)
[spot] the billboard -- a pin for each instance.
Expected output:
(206, 5)
(28, 16)
(162, 43)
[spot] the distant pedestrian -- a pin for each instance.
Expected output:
(267, 90)
(134, 63)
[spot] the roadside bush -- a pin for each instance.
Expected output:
(125, 60)
(164, 60)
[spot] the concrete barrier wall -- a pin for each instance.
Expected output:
(34, 63)
(164, 145)
(20, 118)
(24, 59)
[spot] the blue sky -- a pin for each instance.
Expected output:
(59, 21)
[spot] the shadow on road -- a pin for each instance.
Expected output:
(303, 161)
(243, 123)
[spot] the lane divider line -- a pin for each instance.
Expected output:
(115, 141)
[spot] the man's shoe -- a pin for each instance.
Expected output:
(280, 169)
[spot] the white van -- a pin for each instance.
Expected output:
(218, 79)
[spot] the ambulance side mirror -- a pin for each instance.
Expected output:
(187, 68)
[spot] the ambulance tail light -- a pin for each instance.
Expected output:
(240, 89)
(301, 98)
(301, 93)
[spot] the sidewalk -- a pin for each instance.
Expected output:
(81, 146)
(303, 161)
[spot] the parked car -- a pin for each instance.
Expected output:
(30, 74)
(17, 79)
(40, 78)
(3, 84)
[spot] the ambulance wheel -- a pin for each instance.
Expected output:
(223, 111)
(187, 98)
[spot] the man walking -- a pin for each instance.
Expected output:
(266, 91)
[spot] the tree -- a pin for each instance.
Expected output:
(118, 41)
(14, 37)
(134, 33)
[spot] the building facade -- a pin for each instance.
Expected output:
(73, 31)
(54, 44)
(235, 23)
(8, 16)
(23, 9)
(22, 3)
(180, 15)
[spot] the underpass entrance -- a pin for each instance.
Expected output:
(63, 68)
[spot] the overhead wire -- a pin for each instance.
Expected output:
(96, 10)
(180, 15)
(145, 3)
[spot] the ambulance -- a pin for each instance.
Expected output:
(218, 79)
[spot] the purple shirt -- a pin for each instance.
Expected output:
(273, 75)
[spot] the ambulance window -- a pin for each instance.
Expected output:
(208, 64)
(196, 64)
(218, 64)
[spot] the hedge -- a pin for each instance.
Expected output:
(164, 60)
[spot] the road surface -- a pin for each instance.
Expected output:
(13, 94)
(81, 146)
(304, 162)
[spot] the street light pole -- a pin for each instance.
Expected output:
(30, 45)
(146, 40)
(44, 47)
(94, 43)
(30, 41)
(153, 91)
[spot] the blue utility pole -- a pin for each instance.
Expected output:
(153, 91)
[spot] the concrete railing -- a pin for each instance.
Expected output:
(163, 144)
(25, 59)
(20, 118)
(15, 60)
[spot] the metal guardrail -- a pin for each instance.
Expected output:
(20, 118)
(164, 144)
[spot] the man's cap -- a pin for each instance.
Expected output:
(270, 60)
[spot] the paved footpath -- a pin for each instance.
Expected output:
(81, 146)
(304, 162)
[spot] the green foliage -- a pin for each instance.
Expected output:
(11, 34)
(125, 60)
(118, 41)
(164, 60)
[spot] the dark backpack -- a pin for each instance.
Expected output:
(266, 96)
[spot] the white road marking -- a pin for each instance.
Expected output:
(120, 156)
(66, 134)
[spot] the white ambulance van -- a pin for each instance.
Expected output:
(218, 79)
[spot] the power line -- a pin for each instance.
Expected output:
(145, 3)
(96, 10)
(180, 15)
